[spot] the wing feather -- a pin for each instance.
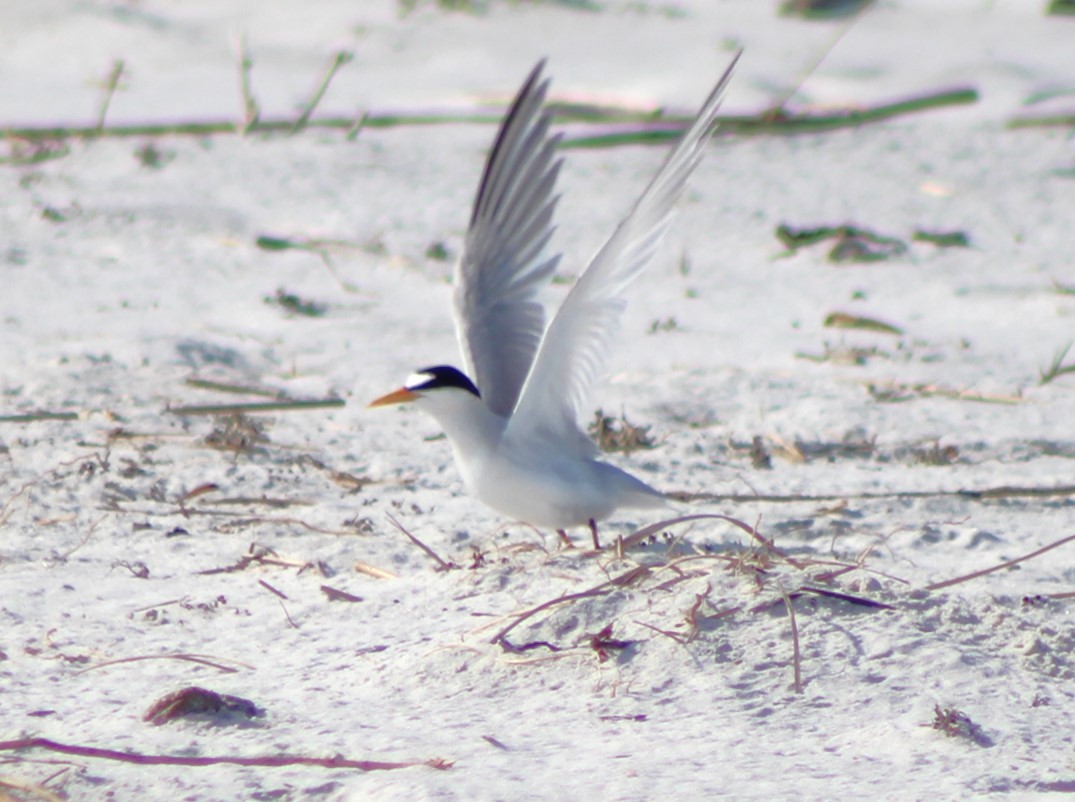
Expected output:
(499, 321)
(576, 346)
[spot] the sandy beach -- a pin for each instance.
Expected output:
(847, 361)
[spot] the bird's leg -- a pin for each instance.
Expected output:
(564, 539)
(593, 531)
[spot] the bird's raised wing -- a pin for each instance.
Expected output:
(498, 319)
(576, 346)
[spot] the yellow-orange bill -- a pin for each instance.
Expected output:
(400, 396)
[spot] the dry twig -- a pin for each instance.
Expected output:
(796, 655)
(265, 761)
(1003, 491)
(1007, 564)
(623, 580)
(338, 60)
(441, 564)
(335, 594)
(278, 593)
(26, 790)
(374, 571)
(109, 87)
(610, 127)
(1057, 367)
(251, 112)
(255, 406)
(200, 659)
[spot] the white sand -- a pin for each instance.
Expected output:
(153, 278)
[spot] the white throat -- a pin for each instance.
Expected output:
(473, 430)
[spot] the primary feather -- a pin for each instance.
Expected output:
(577, 344)
(499, 322)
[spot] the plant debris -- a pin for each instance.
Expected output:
(438, 252)
(265, 761)
(153, 157)
(957, 724)
(942, 239)
(894, 392)
(335, 594)
(760, 457)
(936, 454)
(845, 355)
(238, 433)
(195, 701)
(23, 152)
(823, 9)
(1057, 367)
(853, 244)
(619, 435)
(842, 320)
(289, 405)
(666, 325)
(292, 303)
(603, 641)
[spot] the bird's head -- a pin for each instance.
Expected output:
(432, 382)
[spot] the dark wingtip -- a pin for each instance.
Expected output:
(530, 86)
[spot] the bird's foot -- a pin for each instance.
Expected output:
(568, 544)
(593, 531)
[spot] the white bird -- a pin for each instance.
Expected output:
(515, 428)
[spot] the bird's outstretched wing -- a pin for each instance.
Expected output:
(575, 348)
(498, 319)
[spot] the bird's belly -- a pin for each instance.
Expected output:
(557, 493)
(542, 497)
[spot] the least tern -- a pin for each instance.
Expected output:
(514, 428)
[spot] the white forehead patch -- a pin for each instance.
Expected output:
(417, 380)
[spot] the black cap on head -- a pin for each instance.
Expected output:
(441, 376)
